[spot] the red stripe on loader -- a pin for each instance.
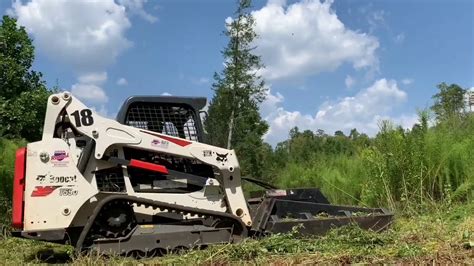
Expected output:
(43, 191)
(148, 166)
(177, 141)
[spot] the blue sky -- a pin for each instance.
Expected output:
(330, 65)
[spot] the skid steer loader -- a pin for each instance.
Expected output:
(147, 183)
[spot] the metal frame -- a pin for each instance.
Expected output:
(195, 103)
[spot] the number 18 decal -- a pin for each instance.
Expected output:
(83, 118)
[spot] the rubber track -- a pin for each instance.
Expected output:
(161, 205)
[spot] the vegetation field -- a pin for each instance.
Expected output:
(442, 235)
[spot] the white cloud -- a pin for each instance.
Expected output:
(406, 121)
(306, 38)
(89, 87)
(349, 81)
(122, 82)
(407, 81)
(93, 78)
(89, 92)
(137, 7)
(166, 94)
(363, 111)
(87, 35)
(268, 106)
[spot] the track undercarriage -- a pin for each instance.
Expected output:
(185, 228)
(278, 211)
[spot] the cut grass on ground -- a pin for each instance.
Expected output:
(440, 236)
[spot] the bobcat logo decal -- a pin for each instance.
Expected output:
(221, 157)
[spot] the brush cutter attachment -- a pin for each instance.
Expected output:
(279, 211)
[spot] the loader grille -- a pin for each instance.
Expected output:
(110, 180)
(170, 119)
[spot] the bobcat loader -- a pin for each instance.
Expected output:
(147, 184)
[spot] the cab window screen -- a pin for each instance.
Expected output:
(170, 119)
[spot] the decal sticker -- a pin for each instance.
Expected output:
(68, 192)
(60, 158)
(221, 157)
(43, 191)
(160, 143)
(83, 118)
(32, 153)
(180, 142)
(40, 178)
(207, 153)
(56, 179)
(62, 179)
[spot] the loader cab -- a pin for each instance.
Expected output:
(174, 116)
(170, 115)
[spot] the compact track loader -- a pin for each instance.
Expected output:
(147, 184)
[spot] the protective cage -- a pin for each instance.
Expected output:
(173, 116)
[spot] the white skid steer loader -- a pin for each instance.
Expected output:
(147, 183)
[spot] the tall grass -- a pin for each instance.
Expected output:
(400, 169)
(340, 177)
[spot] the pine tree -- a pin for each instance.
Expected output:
(234, 121)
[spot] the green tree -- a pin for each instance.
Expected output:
(234, 120)
(449, 101)
(354, 134)
(23, 94)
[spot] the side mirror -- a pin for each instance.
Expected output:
(203, 115)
